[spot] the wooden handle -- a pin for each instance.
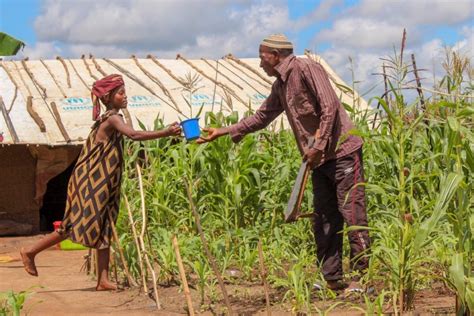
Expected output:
(296, 197)
(303, 185)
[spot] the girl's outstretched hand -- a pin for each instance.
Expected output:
(174, 129)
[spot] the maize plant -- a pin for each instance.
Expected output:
(419, 165)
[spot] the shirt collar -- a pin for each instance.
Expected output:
(284, 68)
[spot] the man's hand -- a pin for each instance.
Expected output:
(313, 157)
(212, 133)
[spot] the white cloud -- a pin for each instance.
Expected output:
(200, 29)
(364, 66)
(413, 12)
(41, 50)
(368, 66)
(361, 33)
(466, 46)
(372, 29)
(375, 24)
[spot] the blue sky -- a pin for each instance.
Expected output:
(365, 30)
(17, 18)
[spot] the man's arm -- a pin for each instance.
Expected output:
(318, 83)
(267, 112)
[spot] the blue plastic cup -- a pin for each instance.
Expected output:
(191, 128)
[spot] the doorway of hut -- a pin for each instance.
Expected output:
(54, 200)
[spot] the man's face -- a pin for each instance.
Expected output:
(268, 60)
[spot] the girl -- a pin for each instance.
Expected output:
(93, 194)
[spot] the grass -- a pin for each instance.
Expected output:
(12, 303)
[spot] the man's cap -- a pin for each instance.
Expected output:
(277, 41)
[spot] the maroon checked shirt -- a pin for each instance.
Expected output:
(304, 92)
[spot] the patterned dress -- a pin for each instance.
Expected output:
(94, 190)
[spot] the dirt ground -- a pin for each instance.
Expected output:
(61, 289)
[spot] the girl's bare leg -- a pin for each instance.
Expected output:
(103, 282)
(28, 254)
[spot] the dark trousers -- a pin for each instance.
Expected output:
(337, 202)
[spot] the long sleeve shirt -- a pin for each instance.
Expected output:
(303, 91)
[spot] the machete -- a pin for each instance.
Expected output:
(296, 197)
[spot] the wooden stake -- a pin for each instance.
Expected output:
(36, 83)
(86, 265)
(8, 121)
(34, 115)
(130, 280)
(114, 263)
(220, 84)
(209, 255)
(263, 274)
(53, 77)
(243, 64)
(94, 260)
(143, 84)
(187, 293)
(137, 244)
(142, 236)
(68, 76)
(59, 122)
(89, 261)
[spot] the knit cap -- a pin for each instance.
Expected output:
(277, 41)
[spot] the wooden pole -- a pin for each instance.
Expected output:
(208, 253)
(137, 244)
(263, 274)
(142, 236)
(95, 261)
(68, 76)
(8, 121)
(130, 280)
(142, 83)
(182, 273)
(59, 122)
(113, 262)
(89, 261)
(34, 115)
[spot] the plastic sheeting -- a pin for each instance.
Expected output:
(174, 91)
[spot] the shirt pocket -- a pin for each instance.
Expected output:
(302, 105)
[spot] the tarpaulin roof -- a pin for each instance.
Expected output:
(48, 101)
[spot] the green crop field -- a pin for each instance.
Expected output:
(419, 166)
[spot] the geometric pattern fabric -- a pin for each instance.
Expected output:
(94, 191)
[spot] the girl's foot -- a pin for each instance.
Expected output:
(28, 262)
(106, 286)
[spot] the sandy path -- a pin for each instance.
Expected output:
(61, 289)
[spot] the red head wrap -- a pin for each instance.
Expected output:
(101, 88)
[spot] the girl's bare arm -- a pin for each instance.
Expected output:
(117, 122)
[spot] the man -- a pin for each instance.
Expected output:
(302, 89)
